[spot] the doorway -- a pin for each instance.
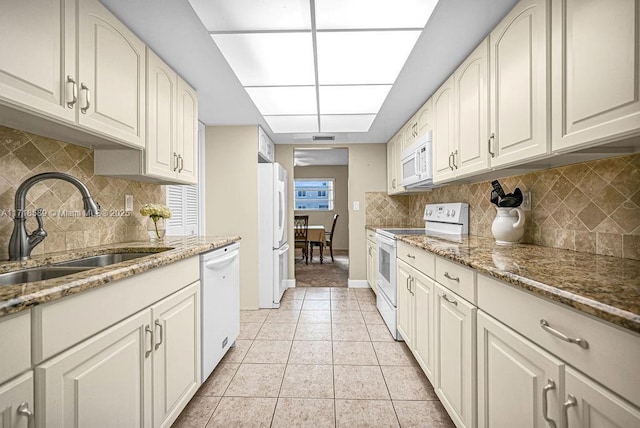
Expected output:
(321, 187)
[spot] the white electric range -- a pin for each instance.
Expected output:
(445, 221)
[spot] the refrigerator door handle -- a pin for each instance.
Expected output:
(283, 249)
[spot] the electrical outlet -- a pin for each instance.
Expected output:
(526, 201)
(356, 205)
(128, 203)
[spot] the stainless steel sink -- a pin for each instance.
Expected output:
(66, 268)
(103, 260)
(38, 274)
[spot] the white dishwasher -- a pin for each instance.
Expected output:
(220, 304)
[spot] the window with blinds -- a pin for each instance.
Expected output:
(183, 202)
(314, 194)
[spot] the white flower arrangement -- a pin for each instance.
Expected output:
(155, 211)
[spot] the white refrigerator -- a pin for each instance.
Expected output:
(272, 234)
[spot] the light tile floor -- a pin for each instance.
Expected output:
(324, 359)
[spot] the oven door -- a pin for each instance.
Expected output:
(386, 277)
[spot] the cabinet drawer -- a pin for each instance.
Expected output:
(15, 348)
(371, 235)
(457, 278)
(611, 357)
(417, 258)
(95, 310)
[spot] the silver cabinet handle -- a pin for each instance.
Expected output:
(446, 275)
(148, 332)
(393, 183)
(413, 282)
(24, 410)
(74, 92)
(87, 92)
(491, 139)
(181, 159)
(571, 402)
(454, 154)
(175, 161)
(545, 402)
(453, 302)
(450, 156)
(159, 324)
(410, 256)
(408, 289)
(578, 341)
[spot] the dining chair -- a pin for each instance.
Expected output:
(301, 235)
(328, 241)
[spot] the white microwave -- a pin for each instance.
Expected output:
(417, 166)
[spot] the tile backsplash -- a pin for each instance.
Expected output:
(591, 207)
(23, 155)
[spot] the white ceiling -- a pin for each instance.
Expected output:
(174, 31)
(316, 156)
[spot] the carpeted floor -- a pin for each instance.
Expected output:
(327, 274)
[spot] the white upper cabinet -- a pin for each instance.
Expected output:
(394, 153)
(111, 70)
(595, 69)
(187, 133)
(443, 138)
(518, 69)
(162, 89)
(470, 108)
(37, 53)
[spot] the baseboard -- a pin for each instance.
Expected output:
(291, 283)
(358, 283)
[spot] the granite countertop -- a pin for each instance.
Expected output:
(18, 297)
(605, 287)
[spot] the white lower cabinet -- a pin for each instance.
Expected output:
(372, 264)
(415, 314)
(589, 405)
(455, 380)
(16, 402)
(517, 380)
(138, 373)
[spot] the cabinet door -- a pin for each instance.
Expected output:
(161, 118)
(443, 138)
(405, 301)
(596, 93)
(13, 395)
(471, 106)
(370, 277)
(103, 381)
(589, 405)
(37, 53)
(111, 67)
(425, 122)
(390, 156)
(374, 268)
(456, 356)
(519, 84)
(187, 141)
(394, 149)
(410, 132)
(176, 356)
(515, 379)
(423, 290)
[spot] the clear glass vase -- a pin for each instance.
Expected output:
(156, 228)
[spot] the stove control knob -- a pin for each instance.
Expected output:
(429, 212)
(448, 213)
(453, 213)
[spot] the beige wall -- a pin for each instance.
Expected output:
(340, 203)
(367, 173)
(23, 155)
(231, 197)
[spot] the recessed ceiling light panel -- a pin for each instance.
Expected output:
(290, 124)
(363, 57)
(269, 59)
(359, 14)
(272, 100)
(346, 122)
(352, 99)
(252, 15)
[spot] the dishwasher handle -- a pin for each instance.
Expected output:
(219, 262)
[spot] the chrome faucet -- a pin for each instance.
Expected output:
(22, 243)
